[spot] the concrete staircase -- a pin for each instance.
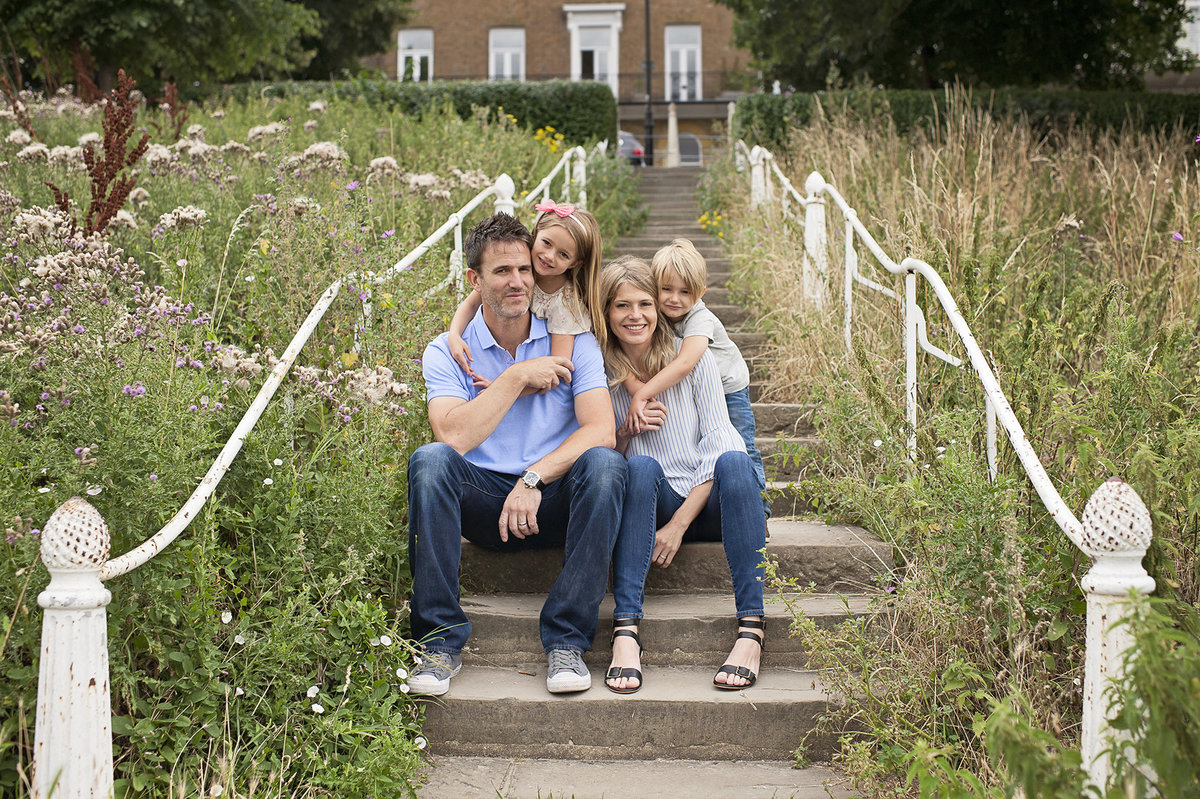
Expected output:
(499, 733)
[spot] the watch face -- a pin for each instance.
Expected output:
(531, 479)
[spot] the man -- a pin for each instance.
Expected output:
(528, 462)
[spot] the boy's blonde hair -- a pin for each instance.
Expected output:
(682, 258)
(635, 272)
(584, 277)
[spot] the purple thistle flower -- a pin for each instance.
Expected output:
(387, 234)
(77, 329)
(1177, 236)
(352, 185)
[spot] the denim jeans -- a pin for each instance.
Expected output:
(449, 498)
(733, 515)
(742, 416)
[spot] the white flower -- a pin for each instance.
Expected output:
(317, 106)
(318, 709)
(421, 742)
(216, 790)
(401, 673)
(941, 449)
(44, 490)
(404, 688)
(877, 443)
(264, 131)
(90, 137)
(374, 642)
(34, 152)
(278, 461)
(310, 124)
(226, 617)
(93, 490)
(313, 690)
(181, 263)
(268, 481)
(238, 639)
(19, 138)
(238, 692)
(249, 278)
(386, 640)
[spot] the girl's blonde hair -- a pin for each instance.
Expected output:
(682, 258)
(584, 277)
(635, 272)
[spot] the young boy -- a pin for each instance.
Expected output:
(682, 275)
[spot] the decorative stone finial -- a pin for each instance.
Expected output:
(75, 537)
(1115, 520)
(814, 183)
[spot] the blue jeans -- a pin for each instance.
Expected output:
(450, 498)
(733, 515)
(742, 416)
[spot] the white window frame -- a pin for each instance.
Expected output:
(403, 55)
(1191, 28)
(694, 92)
(507, 51)
(604, 15)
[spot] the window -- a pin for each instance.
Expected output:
(683, 63)
(595, 36)
(506, 54)
(414, 56)
(1191, 28)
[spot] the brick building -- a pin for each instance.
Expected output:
(694, 62)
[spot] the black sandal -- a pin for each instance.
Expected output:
(616, 672)
(742, 671)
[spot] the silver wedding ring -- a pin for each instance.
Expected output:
(522, 524)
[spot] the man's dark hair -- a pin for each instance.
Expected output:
(499, 228)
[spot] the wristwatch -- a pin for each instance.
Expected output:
(532, 479)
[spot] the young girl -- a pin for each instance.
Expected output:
(566, 269)
(681, 274)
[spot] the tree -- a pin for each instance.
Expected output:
(153, 40)
(350, 30)
(1091, 44)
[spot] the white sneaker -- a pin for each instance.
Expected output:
(432, 677)
(567, 672)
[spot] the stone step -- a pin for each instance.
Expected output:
(532, 778)
(678, 629)
(832, 558)
(507, 712)
(778, 454)
(731, 315)
(748, 342)
(788, 418)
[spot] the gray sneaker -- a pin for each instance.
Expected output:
(432, 676)
(567, 672)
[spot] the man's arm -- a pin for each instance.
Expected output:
(597, 428)
(465, 424)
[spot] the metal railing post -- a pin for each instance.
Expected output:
(72, 750)
(816, 256)
(848, 283)
(912, 315)
(1116, 534)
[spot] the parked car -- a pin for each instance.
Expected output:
(630, 148)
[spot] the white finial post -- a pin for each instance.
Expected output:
(580, 176)
(1116, 534)
(72, 751)
(673, 157)
(815, 271)
(758, 177)
(729, 126)
(505, 188)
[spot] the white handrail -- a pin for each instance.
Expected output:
(1115, 530)
(73, 738)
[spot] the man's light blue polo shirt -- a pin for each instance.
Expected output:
(535, 425)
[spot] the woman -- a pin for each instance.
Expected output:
(690, 479)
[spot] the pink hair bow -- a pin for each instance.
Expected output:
(550, 207)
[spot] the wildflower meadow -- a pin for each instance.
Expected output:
(154, 262)
(1072, 254)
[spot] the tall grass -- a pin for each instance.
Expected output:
(1060, 250)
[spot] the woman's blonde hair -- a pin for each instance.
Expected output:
(589, 250)
(635, 272)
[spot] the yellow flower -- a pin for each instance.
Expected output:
(350, 358)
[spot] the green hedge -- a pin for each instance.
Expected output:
(765, 118)
(583, 112)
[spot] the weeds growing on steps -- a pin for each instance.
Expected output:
(1073, 257)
